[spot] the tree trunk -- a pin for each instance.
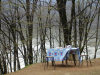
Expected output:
(96, 46)
(59, 35)
(61, 4)
(0, 17)
(10, 52)
(74, 22)
(1, 67)
(30, 16)
(4, 65)
(30, 29)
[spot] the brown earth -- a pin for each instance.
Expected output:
(70, 69)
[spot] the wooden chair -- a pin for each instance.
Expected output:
(47, 62)
(87, 58)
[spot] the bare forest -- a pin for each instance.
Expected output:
(29, 27)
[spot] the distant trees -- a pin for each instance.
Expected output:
(85, 23)
(81, 21)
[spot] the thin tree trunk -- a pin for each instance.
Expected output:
(0, 17)
(74, 22)
(37, 45)
(96, 46)
(4, 65)
(60, 35)
(10, 52)
(1, 69)
(4, 57)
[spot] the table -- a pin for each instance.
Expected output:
(61, 54)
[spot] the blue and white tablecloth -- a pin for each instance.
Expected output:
(61, 54)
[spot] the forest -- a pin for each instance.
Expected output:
(29, 27)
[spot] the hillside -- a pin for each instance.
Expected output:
(38, 69)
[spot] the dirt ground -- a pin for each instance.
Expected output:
(70, 69)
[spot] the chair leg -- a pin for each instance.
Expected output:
(87, 60)
(90, 61)
(82, 60)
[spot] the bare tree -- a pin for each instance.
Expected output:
(30, 16)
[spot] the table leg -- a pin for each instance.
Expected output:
(62, 62)
(47, 61)
(66, 62)
(52, 63)
(74, 59)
